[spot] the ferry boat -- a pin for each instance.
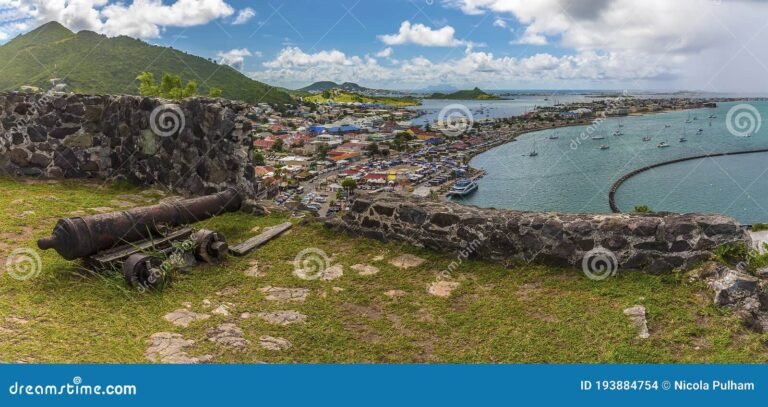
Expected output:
(663, 144)
(463, 187)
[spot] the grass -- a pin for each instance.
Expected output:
(516, 315)
(349, 97)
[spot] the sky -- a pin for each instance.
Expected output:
(635, 45)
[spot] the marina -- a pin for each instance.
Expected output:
(576, 174)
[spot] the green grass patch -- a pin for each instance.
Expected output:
(524, 314)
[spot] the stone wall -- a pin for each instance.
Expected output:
(201, 147)
(640, 241)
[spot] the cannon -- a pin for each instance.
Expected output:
(125, 237)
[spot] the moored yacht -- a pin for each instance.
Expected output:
(605, 147)
(463, 187)
(663, 144)
(647, 138)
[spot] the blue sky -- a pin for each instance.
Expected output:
(408, 44)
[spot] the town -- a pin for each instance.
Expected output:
(314, 156)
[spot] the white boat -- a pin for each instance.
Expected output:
(554, 136)
(683, 139)
(463, 187)
(605, 147)
(598, 137)
(647, 138)
(663, 144)
(533, 152)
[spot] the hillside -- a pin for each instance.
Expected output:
(514, 313)
(340, 96)
(93, 63)
(474, 94)
(346, 86)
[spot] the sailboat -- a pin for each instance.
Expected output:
(688, 120)
(554, 136)
(533, 152)
(683, 139)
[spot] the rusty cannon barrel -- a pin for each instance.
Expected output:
(75, 238)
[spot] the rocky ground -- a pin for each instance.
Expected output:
(350, 300)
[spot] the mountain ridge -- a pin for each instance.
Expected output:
(89, 62)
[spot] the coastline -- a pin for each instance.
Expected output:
(477, 173)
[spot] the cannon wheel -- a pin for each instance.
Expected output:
(143, 272)
(210, 246)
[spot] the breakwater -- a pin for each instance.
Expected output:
(617, 184)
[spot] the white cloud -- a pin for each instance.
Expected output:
(499, 22)
(701, 44)
(235, 57)
(244, 15)
(293, 67)
(385, 53)
(422, 35)
(140, 18)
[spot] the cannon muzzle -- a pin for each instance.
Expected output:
(75, 238)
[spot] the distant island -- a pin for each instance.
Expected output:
(341, 96)
(474, 94)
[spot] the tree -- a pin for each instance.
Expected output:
(642, 209)
(215, 92)
(278, 146)
(372, 149)
(170, 87)
(258, 157)
(349, 184)
(322, 151)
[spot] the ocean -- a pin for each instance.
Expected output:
(572, 174)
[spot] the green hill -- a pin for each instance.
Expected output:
(340, 96)
(474, 94)
(93, 63)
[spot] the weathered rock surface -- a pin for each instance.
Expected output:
(655, 242)
(228, 335)
(284, 294)
(332, 273)
(636, 314)
(167, 347)
(184, 317)
(365, 269)
(91, 136)
(272, 343)
(442, 288)
(406, 261)
(282, 317)
(739, 291)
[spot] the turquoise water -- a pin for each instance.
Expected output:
(574, 175)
